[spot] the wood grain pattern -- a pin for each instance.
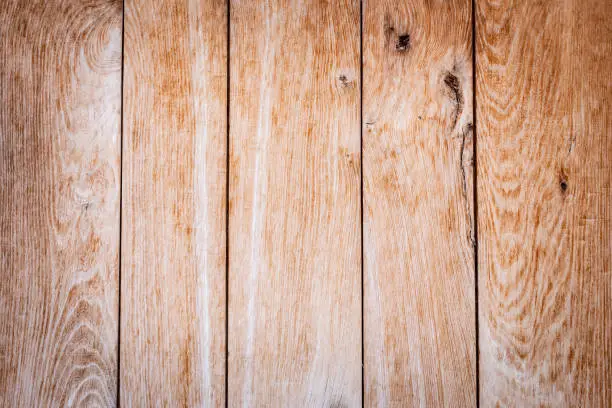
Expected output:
(544, 152)
(60, 101)
(419, 300)
(174, 186)
(295, 278)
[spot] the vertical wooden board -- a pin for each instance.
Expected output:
(174, 189)
(544, 152)
(294, 227)
(60, 103)
(419, 308)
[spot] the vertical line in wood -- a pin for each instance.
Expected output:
(361, 197)
(118, 402)
(227, 190)
(475, 199)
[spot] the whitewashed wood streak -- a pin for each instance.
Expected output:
(544, 90)
(60, 102)
(173, 258)
(419, 300)
(294, 228)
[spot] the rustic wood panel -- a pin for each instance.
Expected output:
(419, 300)
(60, 102)
(174, 189)
(544, 152)
(294, 249)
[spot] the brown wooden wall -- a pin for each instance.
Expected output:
(306, 203)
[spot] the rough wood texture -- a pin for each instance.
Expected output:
(60, 101)
(295, 277)
(419, 310)
(544, 152)
(173, 236)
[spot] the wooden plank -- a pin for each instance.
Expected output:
(419, 299)
(544, 151)
(60, 102)
(174, 186)
(294, 230)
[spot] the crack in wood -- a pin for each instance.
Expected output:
(467, 131)
(454, 85)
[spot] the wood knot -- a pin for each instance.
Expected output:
(453, 85)
(344, 81)
(403, 42)
(452, 82)
(563, 182)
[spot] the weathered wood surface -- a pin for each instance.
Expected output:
(544, 125)
(174, 189)
(60, 101)
(294, 227)
(419, 310)
(544, 119)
